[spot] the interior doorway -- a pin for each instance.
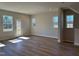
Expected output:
(68, 26)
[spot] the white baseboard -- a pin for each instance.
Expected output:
(76, 44)
(47, 36)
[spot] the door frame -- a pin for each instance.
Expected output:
(68, 29)
(61, 18)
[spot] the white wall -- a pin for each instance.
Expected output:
(44, 25)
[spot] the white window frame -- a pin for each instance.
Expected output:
(8, 29)
(70, 25)
(54, 25)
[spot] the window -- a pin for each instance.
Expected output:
(69, 21)
(55, 21)
(33, 22)
(7, 23)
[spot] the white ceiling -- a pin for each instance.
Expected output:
(33, 7)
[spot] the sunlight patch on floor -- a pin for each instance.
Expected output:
(15, 41)
(2, 45)
(26, 38)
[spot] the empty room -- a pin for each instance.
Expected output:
(39, 29)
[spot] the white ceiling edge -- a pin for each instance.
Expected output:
(53, 10)
(33, 8)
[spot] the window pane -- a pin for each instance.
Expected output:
(55, 21)
(69, 20)
(5, 26)
(7, 23)
(33, 21)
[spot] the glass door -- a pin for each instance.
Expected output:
(18, 28)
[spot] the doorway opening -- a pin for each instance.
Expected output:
(68, 26)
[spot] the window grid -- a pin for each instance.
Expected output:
(7, 23)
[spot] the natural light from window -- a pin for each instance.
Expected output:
(26, 38)
(15, 41)
(2, 45)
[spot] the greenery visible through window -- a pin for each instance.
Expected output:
(7, 23)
